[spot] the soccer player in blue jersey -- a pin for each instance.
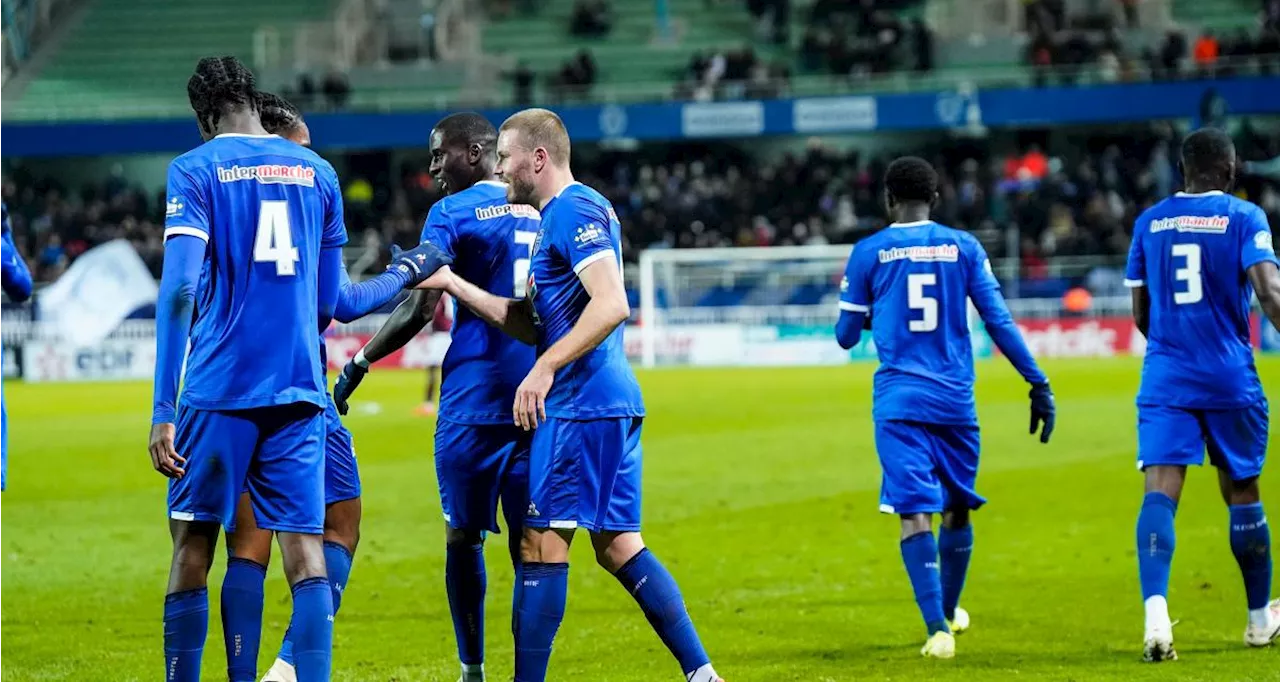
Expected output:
(1195, 258)
(248, 546)
(481, 456)
(580, 396)
(253, 231)
(911, 283)
(17, 286)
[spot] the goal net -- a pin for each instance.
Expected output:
(739, 306)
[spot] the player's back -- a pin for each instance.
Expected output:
(265, 206)
(919, 284)
(491, 242)
(1191, 252)
(580, 227)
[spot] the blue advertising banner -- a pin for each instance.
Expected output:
(673, 120)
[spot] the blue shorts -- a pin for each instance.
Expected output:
(476, 466)
(928, 468)
(341, 476)
(585, 474)
(1236, 440)
(275, 453)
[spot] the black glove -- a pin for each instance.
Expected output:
(420, 262)
(1043, 411)
(350, 378)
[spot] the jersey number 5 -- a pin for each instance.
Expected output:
(927, 305)
(520, 267)
(274, 241)
(1189, 273)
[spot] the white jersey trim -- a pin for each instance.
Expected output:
(562, 525)
(886, 509)
(261, 137)
(1135, 283)
(1210, 193)
(597, 256)
(854, 307)
(189, 231)
(914, 223)
(182, 516)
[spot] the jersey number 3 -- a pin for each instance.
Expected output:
(917, 300)
(274, 241)
(1189, 273)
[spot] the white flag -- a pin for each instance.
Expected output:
(97, 293)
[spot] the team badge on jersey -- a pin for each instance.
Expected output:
(591, 233)
(174, 207)
(1262, 240)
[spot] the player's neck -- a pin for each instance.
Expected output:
(556, 182)
(1202, 188)
(912, 214)
(240, 123)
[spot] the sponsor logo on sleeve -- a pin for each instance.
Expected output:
(591, 233)
(174, 207)
(1262, 241)
(844, 284)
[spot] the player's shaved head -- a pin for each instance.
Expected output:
(1208, 160)
(220, 86)
(540, 129)
(465, 129)
(911, 179)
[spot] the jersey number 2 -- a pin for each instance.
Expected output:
(927, 305)
(1189, 273)
(274, 241)
(520, 267)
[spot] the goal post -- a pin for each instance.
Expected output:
(727, 299)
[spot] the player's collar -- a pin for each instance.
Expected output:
(1210, 193)
(562, 189)
(494, 183)
(244, 135)
(914, 223)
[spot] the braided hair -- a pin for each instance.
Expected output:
(279, 116)
(220, 85)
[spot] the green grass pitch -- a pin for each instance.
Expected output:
(760, 495)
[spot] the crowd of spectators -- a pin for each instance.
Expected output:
(1078, 197)
(733, 74)
(864, 38)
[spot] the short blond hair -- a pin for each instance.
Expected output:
(540, 128)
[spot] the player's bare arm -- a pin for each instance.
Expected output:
(1265, 279)
(1142, 307)
(607, 309)
(406, 321)
(514, 316)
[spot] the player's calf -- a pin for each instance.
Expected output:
(1251, 544)
(920, 557)
(186, 604)
(312, 621)
(655, 590)
(955, 548)
(541, 597)
(466, 584)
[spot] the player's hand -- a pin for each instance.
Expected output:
(531, 397)
(1043, 411)
(164, 457)
(442, 280)
(420, 262)
(351, 376)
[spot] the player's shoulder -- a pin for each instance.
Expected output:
(586, 200)
(1245, 208)
(484, 193)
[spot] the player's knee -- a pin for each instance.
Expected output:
(252, 545)
(955, 518)
(614, 550)
(193, 545)
(1166, 479)
(342, 524)
(545, 546)
(1244, 491)
(303, 556)
(914, 524)
(462, 536)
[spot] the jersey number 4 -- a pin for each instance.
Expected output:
(1189, 272)
(274, 241)
(917, 300)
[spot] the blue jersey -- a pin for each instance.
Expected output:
(490, 242)
(579, 228)
(266, 207)
(1191, 252)
(915, 280)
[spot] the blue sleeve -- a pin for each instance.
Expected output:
(855, 300)
(183, 261)
(335, 226)
(330, 278)
(186, 210)
(590, 237)
(984, 290)
(357, 300)
(1135, 272)
(440, 231)
(16, 277)
(1258, 246)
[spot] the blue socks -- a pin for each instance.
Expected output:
(1251, 543)
(653, 588)
(242, 617)
(543, 591)
(1155, 543)
(312, 629)
(955, 546)
(186, 624)
(465, 583)
(920, 555)
(337, 561)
